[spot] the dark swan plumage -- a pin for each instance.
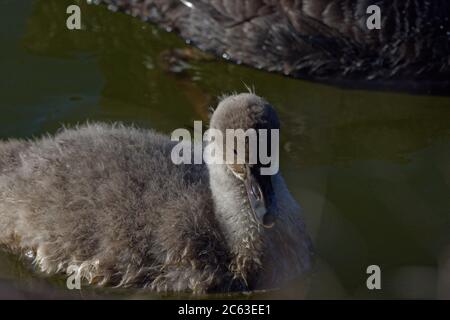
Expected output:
(320, 39)
(109, 200)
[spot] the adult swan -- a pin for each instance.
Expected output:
(327, 40)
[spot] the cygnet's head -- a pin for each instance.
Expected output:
(247, 111)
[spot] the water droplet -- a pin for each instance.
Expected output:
(29, 254)
(187, 4)
(113, 7)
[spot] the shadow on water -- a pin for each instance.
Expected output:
(370, 169)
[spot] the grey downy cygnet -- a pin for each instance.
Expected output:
(109, 200)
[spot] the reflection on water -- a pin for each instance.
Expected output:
(371, 169)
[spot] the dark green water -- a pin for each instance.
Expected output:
(370, 169)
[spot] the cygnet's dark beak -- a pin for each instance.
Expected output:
(261, 196)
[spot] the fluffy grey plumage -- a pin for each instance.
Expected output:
(323, 39)
(108, 199)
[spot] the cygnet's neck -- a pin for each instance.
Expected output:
(243, 235)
